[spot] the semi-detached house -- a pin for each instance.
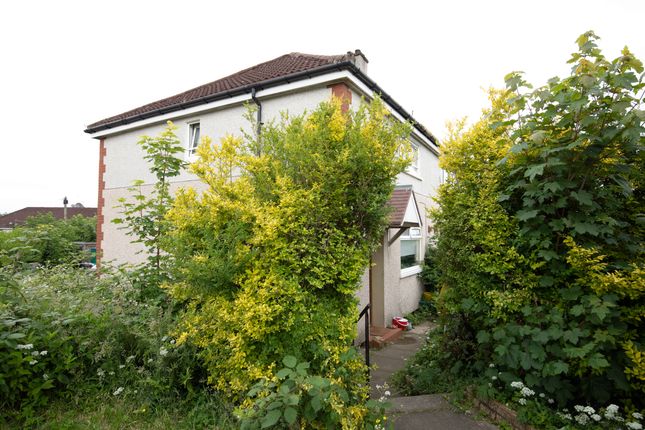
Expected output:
(293, 82)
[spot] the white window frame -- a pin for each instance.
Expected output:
(413, 233)
(192, 147)
(414, 165)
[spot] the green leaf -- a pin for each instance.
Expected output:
(290, 415)
(483, 336)
(535, 170)
(283, 373)
(553, 187)
(316, 403)
(597, 361)
(302, 368)
(553, 368)
(577, 310)
(290, 361)
(582, 197)
(541, 336)
(524, 215)
(271, 418)
(585, 227)
(16, 336)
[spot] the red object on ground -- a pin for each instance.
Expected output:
(401, 323)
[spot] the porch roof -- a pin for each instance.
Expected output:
(405, 211)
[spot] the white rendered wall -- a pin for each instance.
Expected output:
(125, 163)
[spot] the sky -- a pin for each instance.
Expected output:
(66, 64)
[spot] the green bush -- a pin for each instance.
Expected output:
(269, 263)
(64, 334)
(297, 400)
(540, 234)
(44, 240)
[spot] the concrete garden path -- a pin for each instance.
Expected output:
(428, 412)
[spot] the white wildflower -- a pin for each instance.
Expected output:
(32, 362)
(582, 419)
(611, 409)
(491, 365)
(118, 391)
(522, 401)
(589, 410)
(387, 394)
(101, 373)
(527, 392)
(634, 425)
(517, 384)
(43, 352)
(490, 384)
(35, 353)
(150, 360)
(565, 416)
(26, 346)
(165, 338)
(494, 378)
(579, 408)
(172, 342)
(637, 416)
(163, 351)
(111, 373)
(129, 359)
(595, 417)
(542, 395)
(551, 401)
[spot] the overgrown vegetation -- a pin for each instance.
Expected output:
(540, 239)
(262, 269)
(46, 241)
(269, 263)
(67, 336)
(144, 213)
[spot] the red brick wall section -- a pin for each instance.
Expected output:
(101, 204)
(342, 91)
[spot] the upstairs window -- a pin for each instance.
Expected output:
(193, 137)
(414, 163)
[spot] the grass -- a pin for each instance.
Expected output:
(107, 413)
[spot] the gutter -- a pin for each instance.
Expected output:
(253, 88)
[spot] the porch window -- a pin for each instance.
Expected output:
(193, 137)
(410, 248)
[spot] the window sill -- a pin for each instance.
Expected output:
(410, 271)
(413, 174)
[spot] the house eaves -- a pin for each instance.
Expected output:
(262, 85)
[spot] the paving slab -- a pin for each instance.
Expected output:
(427, 412)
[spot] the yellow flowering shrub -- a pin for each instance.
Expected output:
(271, 253)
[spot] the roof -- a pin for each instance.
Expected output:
(405, 211)
(19, 217)
(284, 69)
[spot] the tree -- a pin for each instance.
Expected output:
(270, 255)
(144, 214)
(541, 233)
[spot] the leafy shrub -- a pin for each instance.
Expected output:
(540, 234)
(268, 263)
(64, 333)
(295, 399)
(46, 241)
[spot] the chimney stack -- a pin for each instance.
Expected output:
(359, 59)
